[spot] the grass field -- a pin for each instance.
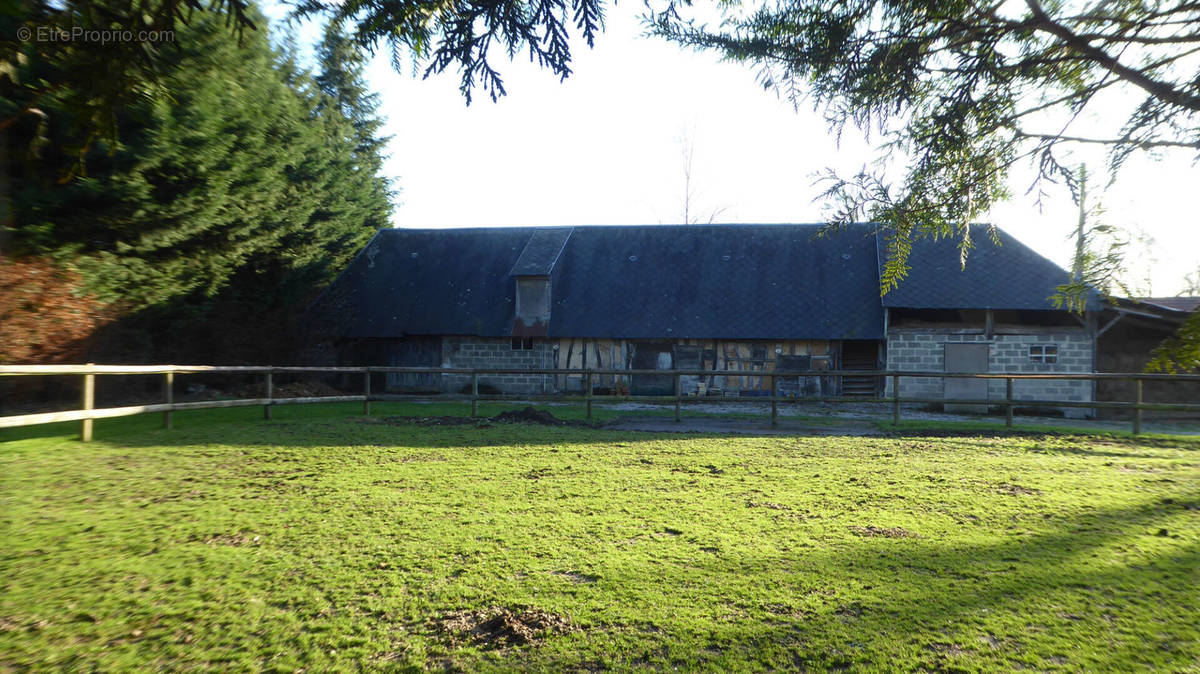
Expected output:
(325, 541)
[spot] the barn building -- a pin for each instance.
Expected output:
(741, 301)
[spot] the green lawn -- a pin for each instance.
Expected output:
(323, 541)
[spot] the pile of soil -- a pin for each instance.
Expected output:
(497, 626)
(530, 416)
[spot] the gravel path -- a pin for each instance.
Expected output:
(852, 415)
(716, 425)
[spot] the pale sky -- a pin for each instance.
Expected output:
(605, 147)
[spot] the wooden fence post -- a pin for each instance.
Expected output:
(367, 391)
(474, 393)
(678, 394)
(168, 396)
(1008, 402)
(1137, 406)
(89, 403)
(774, 404)
(587, 382)
(270, 397)
(895, 400)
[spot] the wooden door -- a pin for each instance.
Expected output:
(966, 358)
(415, 352)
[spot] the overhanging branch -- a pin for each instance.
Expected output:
(1157, 88)
(1111, 141)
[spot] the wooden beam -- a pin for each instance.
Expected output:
(1143, 314)
(1109, 324)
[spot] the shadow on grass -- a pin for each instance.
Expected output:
(1097, 588)
(1040, 601)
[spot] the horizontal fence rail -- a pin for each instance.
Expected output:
(88, 413)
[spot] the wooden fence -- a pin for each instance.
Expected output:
(89, 372)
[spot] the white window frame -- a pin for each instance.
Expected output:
(1043, 353)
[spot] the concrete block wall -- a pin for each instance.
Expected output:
(925, 350)
(491, 352)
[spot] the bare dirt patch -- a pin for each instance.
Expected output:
(706, 425)
(876, 532)
(789, 612)
(500, 627)
(1015, 489)
(576, 576)
(945, 648)
(852, 610)
(235, 540)
(423, 421)
(766, 504)
(528, 415)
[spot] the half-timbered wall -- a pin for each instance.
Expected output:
(738, 367)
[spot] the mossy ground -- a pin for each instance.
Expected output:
(317, 541)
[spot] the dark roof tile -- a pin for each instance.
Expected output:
(1006, 276)
(542, 252)
(700, 281)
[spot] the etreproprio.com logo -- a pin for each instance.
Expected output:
(94, 35)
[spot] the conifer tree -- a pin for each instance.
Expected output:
(229, 202)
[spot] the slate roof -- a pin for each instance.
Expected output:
(666, 281)
(1008, 276)
(1185, 304)
(427, 282)
(716, 281)
(542, 251)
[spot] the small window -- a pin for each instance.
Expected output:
(522, 343)
(1043, 353)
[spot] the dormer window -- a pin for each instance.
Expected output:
(533, 299)
(532, 272)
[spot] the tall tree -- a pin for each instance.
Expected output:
(231, 200)
(346, 98)
(687, 153)
(89, 59)
(1099, 254)
(1191, 284)
(192, 189)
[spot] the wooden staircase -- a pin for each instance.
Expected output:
(860, 355)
